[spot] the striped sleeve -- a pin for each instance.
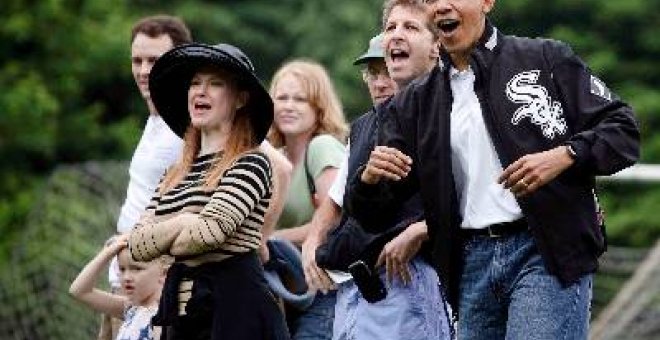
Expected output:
(150, 240)
(246, 183)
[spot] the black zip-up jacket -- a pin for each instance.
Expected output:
(350, 241)
(535, 94)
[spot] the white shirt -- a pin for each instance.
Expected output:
(336, 191)
(137, 323)
(475, 163)
(158, 148)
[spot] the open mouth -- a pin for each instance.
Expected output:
(447, 26)
(128, 289)
(398, 55)
(383, 97)
(202, 106)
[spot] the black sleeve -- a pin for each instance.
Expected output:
(374, 205)
(605, 132)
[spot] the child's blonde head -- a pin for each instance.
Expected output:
(142, 282)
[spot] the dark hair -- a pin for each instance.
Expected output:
(154, 26)
(417, 5)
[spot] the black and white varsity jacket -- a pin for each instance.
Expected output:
(535, 94)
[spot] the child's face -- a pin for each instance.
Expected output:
(141, 281)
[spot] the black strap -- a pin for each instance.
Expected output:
(310, 178)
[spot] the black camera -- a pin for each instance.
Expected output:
(368, 282)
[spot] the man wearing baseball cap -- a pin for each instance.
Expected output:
(380, 87)
(374, 73)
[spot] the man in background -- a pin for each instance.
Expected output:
(158, 147)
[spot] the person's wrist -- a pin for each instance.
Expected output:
(420, 231)
(110, 241)
(315, 238)
(569, 154)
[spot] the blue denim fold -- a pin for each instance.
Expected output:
(508, 293)
(416, 311)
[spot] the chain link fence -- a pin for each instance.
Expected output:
(67, 226)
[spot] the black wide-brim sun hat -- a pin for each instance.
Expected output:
(172, 73)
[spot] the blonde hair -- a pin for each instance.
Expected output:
(241, 140)
(321, 95)
(165, 261)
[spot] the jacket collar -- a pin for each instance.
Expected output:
(489, 39)
(487, 44)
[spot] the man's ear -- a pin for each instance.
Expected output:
(435, 51)
(488, 6)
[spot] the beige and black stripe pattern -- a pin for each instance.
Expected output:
(200, 226)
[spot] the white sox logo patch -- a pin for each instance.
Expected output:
(537, 104)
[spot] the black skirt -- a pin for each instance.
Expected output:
(230, 299)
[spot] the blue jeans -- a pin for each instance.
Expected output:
(507, 293)
(413, 312)
(315, 323)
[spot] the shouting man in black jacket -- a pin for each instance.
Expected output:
(413, 306)
(503, 142)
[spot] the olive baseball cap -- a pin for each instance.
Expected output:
(375, 51)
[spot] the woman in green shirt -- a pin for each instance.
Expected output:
(310, 128)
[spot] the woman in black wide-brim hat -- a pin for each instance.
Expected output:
(209, 208)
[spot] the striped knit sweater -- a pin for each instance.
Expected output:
(199, 226)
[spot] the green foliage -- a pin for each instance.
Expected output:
(630, 210)
(66, 93)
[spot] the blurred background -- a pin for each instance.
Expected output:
(71, 115)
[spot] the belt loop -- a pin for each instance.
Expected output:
(492, 233)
